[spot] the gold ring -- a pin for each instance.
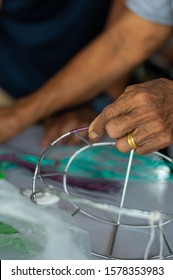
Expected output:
(131, 141)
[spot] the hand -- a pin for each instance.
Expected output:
(61, 124)
(147, 110)
(10, 122)
(18, 115)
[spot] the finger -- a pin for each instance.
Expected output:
(149, 138)
(118, 127)
(97, 127)
(156, 141)
(140, 136)
(141, 118)
(123, 146)
(123, 105)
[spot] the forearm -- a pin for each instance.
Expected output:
(105, 60)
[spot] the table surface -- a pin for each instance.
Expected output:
(132, 235)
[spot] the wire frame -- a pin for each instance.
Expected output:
(152, 220)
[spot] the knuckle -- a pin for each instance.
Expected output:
(129, 88)
(143, 97)
(108, 112)
(111, 130)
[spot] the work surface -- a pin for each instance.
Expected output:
(150, 188)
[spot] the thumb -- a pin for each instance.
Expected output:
(96, 128)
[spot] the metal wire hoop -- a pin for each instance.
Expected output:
(160, 220)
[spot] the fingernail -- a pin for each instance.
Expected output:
(93, 135)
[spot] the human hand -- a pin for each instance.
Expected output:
(11, 123)
(145, 109)
(17, 115)
(58, 125)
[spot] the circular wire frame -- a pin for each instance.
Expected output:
(154, 219)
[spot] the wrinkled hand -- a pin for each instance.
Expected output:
(147, 110)
(61, 124)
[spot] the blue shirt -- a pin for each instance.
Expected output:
(38, 37)
(156, 11)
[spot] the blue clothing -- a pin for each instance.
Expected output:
(38, 37)
(156, 11)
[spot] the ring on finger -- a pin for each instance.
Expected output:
(131, 141)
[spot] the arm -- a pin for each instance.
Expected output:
(116, 88)
(82, 115)
(114, 53)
